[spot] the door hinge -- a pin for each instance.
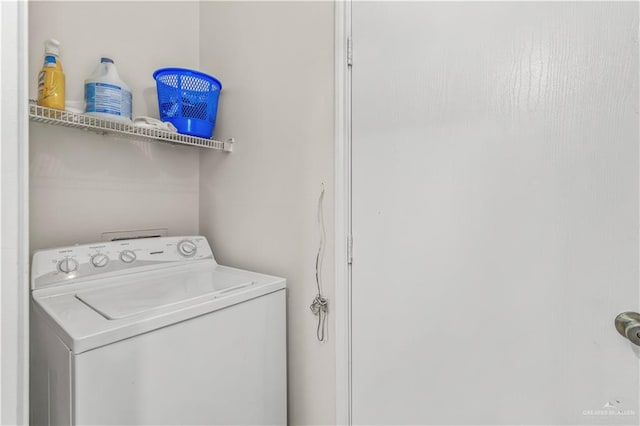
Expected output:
(350, 249)
(349, 51)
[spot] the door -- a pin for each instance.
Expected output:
(495, 213)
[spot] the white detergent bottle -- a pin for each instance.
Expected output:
(106, 95)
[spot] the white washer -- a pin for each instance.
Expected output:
(154, 331)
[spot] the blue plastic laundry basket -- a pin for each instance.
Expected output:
(188, 99)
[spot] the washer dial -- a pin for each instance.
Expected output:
(187, 248)
(100, 260)
(127, 256)
(67, 265)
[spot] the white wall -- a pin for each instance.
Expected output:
(258, 205)
(84, 184)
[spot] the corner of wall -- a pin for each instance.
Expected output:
(258, 205)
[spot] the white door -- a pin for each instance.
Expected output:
(495, 213)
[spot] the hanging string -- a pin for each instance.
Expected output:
(319, 306)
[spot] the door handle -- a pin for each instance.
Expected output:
(628, 324)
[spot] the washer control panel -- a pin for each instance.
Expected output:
(64, 264)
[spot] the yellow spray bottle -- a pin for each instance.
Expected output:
(51, 84)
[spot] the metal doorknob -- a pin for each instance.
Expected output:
(628, 324)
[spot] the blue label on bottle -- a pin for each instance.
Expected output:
(107, 98)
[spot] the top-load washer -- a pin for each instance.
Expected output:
(154, 331)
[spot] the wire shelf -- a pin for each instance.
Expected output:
(103, 126)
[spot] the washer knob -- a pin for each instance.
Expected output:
(127, 256)
(187, 248)
(67, 265)
(100, 260)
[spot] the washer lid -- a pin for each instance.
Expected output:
(122, 301)
(94, 313)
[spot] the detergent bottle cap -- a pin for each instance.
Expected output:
(106, 60)
(52, 47)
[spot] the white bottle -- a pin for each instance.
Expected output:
(106, 95)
